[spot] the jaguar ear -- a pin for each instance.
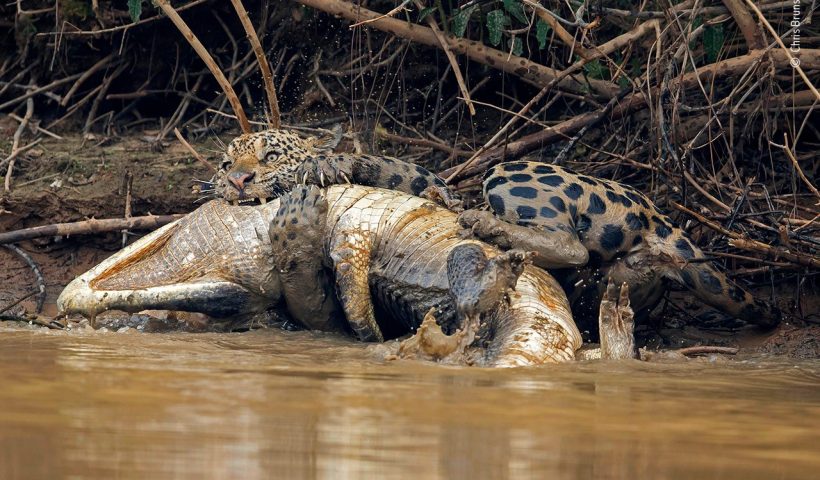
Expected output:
(331, 140)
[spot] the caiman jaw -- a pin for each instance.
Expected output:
(212, 261)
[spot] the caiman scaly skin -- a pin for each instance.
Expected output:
(215, 260)
(219, 260)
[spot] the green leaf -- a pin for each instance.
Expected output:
(424, 12)
(516, 45)
(514, 8)
(461, 19)
(542, 31)
(595, 70)
(496, 20)
(713, 42)
(135, 10)
(696, 22)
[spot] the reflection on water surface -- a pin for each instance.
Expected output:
(299, 404)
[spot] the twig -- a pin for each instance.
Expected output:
(85, 76)
(462, 85)
(18, 301)
(38, 275)
(36, 91)
(421, 142)
(85, 227)
(737, 241)
(707, 349)
(264, 66)
(38, 128)
(209, 62)
(392, 12)
(560, 31)
(194, 153)
(15, 146)
(35, 319)
(525, 144)
(790, 154)
(129, 180)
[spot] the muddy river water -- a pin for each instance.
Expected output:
(297, 404)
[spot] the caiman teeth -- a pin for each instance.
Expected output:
(235, 203)
(263, 200)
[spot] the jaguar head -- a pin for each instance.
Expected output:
(260, 166)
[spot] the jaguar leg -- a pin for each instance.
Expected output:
(553, 249)
(296, 234)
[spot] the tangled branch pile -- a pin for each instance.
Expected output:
(709, 106)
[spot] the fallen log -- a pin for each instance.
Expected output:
(92, 226)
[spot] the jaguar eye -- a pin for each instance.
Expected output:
(271, 156)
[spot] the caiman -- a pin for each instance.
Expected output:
(362, 257)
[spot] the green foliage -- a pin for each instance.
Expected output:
(461, 19)
(135, 10)
(542, 31)
(496, 21)
(696, 22)
(595, 70)
(713, 42)
(516, 46)
(516, 9)
(422, 14)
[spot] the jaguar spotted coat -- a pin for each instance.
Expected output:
(585, 230)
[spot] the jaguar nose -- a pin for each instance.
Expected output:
(239, 179)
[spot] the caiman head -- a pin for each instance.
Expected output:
(260, 166)
(215, 261)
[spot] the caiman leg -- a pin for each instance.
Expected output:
(555, 249)
(616, 324)
(296, 234)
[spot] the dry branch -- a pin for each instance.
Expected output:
(462, 85)
(526, 144)
(39, 280)
(792, 61)
(738, 241)
(193, 152)
(209, 62)
(15, 146)
(529, 71)
(93, 226)
(748, 27)
(810, 58)
(264, 66)
(559, 29)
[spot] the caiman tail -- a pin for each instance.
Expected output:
(214, 261)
